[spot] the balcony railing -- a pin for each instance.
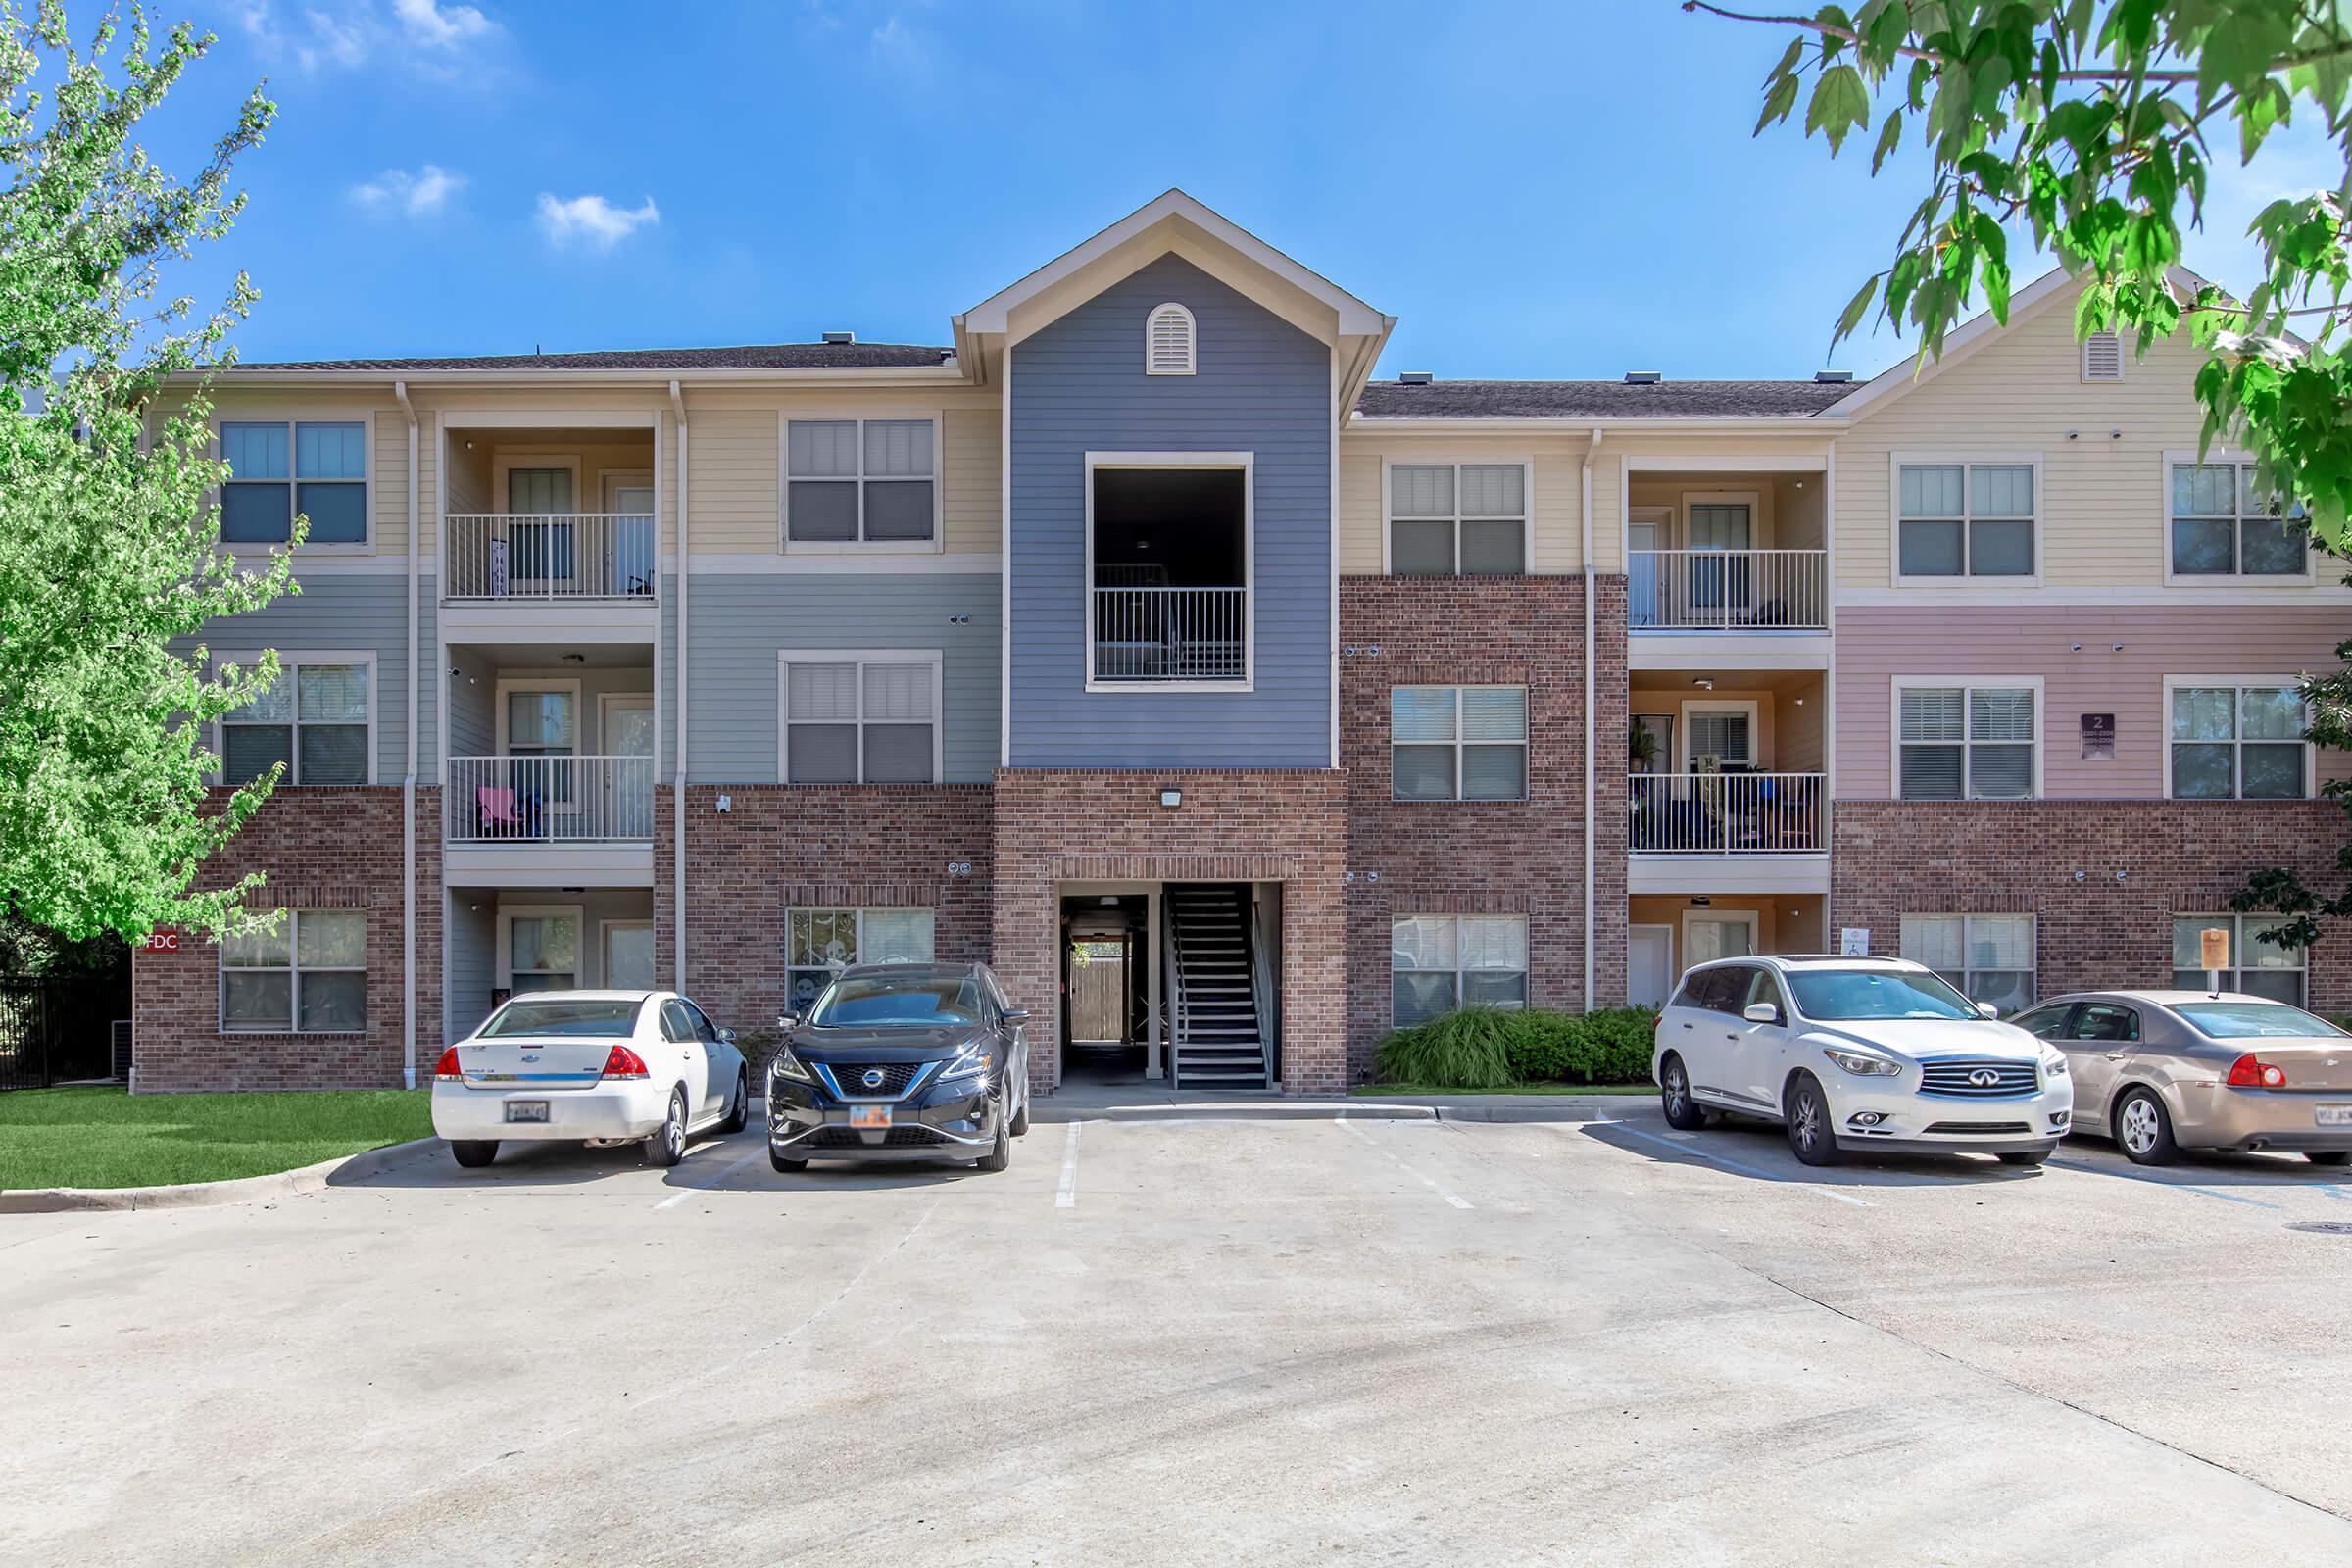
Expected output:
(1148, 635)
(561, 555)
(1729, 813)
(549, 800)
(1727, 590)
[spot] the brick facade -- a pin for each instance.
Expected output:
(1057, 825)
(1890, 858)
(1494, 857)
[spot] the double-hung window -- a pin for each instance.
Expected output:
(2223, 526)
(862, 482)
(279, 467)
(2257, 966)
(1972, 743)
(1989, 958)
(315, 721)
(1457, 743)
(1457, 519)
(2236, 741)
(1965, 519)
(821, 943)
(308, 976)
(1438, 962)
(861, 719)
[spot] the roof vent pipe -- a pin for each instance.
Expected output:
(1833, 377)
(840, 337)
(1415, 377)
(1644, 377)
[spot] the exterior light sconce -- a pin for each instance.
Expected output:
(1172, 798)
(2081, 876)
(725, 803)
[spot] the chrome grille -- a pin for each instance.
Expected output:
(1973, 1078)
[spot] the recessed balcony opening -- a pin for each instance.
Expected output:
(1727, 552)
(539, 516)
(1170, 551)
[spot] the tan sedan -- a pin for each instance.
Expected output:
(2161, 1072)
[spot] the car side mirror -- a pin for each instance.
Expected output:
(1016, 1016)
(786, 1021)
(726, 1037)
(1762, 1012)
(1987, 1010)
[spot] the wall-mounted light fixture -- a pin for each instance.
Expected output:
(725, 803)
(1171, 798)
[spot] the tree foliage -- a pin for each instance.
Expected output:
(109, 543)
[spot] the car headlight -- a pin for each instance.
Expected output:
(2053, 1065)
(1862, 1066)
(974, 1061)
(787, 1065)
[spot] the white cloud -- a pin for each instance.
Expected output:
(592, 220)
(419, 195)
(423, 34)
(439, 26)
(903, 48)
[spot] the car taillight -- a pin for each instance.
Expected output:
(622, 1063)
(2252, 1072)
(446, 1070)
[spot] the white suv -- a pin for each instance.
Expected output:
(1856, 1054)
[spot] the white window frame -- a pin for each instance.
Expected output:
(1684, 762)
(2214, 458)
(1247, 463)
(1969, 973)
(1897, 462)
(2172, 683)
(1967, 683)
(287, 661)
(2232, 977)
(509, 913)
(787, 545)
(1525, 743)
(365, 418)
(1526, 975)
(1524, 462)
(1192, 339)
(860, 911)
(293, 969)
(786, 658)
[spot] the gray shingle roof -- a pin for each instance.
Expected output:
(1598, 400)
(745, 356)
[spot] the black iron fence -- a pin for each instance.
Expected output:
(58, 1031)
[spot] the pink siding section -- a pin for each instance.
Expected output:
(1878, 644)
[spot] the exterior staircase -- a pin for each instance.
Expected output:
(1219, 1039)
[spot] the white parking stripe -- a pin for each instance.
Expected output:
(1066, 1196)
(692, 1188)
(1691, 1145)
(1454, 1198)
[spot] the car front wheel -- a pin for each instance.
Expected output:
(665, 1144)
(1000, 1154)
(2144, 1129)
(1810, 1135)
(1683, 1113)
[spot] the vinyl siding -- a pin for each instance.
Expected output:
(387, 466)
(338, 613)
(1558, 494)
(472, 952)
(1263, 387)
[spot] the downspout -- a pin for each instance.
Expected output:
(1591, 696)
(677, 791)
(408, 782)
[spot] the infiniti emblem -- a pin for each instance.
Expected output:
(871, 1078)
(1983, 1078)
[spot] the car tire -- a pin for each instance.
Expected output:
(2143, 1129)
(1683, 1113)
(783, 1166)
(2330, 1156)
(999, 1155)
(2024, 1157)
(1811, 1135)
(665, 1144)
(1020, 1118)
(739, 1110)
(473, 1153)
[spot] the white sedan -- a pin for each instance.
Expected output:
(598, 1067)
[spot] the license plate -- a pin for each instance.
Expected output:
(2336, 1115)
(866, 1117)
(526, 1110)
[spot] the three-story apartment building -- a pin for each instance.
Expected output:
(1138, 632)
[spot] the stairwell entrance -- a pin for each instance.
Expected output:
(1175, 982)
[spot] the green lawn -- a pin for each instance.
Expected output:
(1377, 1090)
(111, 1138)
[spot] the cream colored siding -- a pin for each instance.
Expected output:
(1554, 493)
(732, 476)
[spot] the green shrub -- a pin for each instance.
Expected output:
(1486, 1047)
(1468, 1047)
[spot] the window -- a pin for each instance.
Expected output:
(316, 719)
(1989, 956)
(860, 481)
(1965, 519)
(2103, 356)
(861, 719)
(2229, 741)
(2221, 526)
(279, 467)
(1723, 733)
(1723, 990)
(1168, 341)
(2105, 1022)
(308, 976)
(1974, 743)
(1457, 743)
(543, 951)
(1466, 520)
(819, 944)
(2046, 1023)
(1442, 961)
(2257, 966)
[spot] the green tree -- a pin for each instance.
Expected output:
(109, 545)
(2089, 128)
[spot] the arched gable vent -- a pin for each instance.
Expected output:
(1168, 341)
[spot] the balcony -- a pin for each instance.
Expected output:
(1158, 635)
(1727, 590)
(566, 557)
(547, 821)
(1727, 813)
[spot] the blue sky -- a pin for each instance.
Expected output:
(1537, 190)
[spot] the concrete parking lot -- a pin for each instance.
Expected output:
(1197, 1341)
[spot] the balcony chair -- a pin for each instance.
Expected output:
(496, 814)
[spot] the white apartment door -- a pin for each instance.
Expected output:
(1642, 541)
(629, 955)
(1649, 966)
(630, 540)
(628, 781)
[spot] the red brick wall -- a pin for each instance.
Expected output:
(1484, 857)
(334, 849)
(838, 845)
(2020, 856)
(1236, 825)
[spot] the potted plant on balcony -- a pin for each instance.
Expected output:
(1641, 748)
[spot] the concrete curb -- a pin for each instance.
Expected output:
(206, 1195)
(1548, 1107)
(1049, 1112)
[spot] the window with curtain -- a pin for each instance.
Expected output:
(308, 976)
(1457, 519)
(821, 943)
(540, 530)
(1965, 519)
(1975, 743)
(2239, 743)
(543, 953)
(1438, 962)
(859, 481)
(1989, 957)
(279, 467)
(2258, 965)
(2223, 526)
(314, 720)
(862, 720)
(1457, 743)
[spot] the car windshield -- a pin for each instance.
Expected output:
(607, 1019)
(1855, 994)
(2247, 1020)
(885, 1002)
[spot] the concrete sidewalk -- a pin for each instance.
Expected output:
(1152, 1102)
